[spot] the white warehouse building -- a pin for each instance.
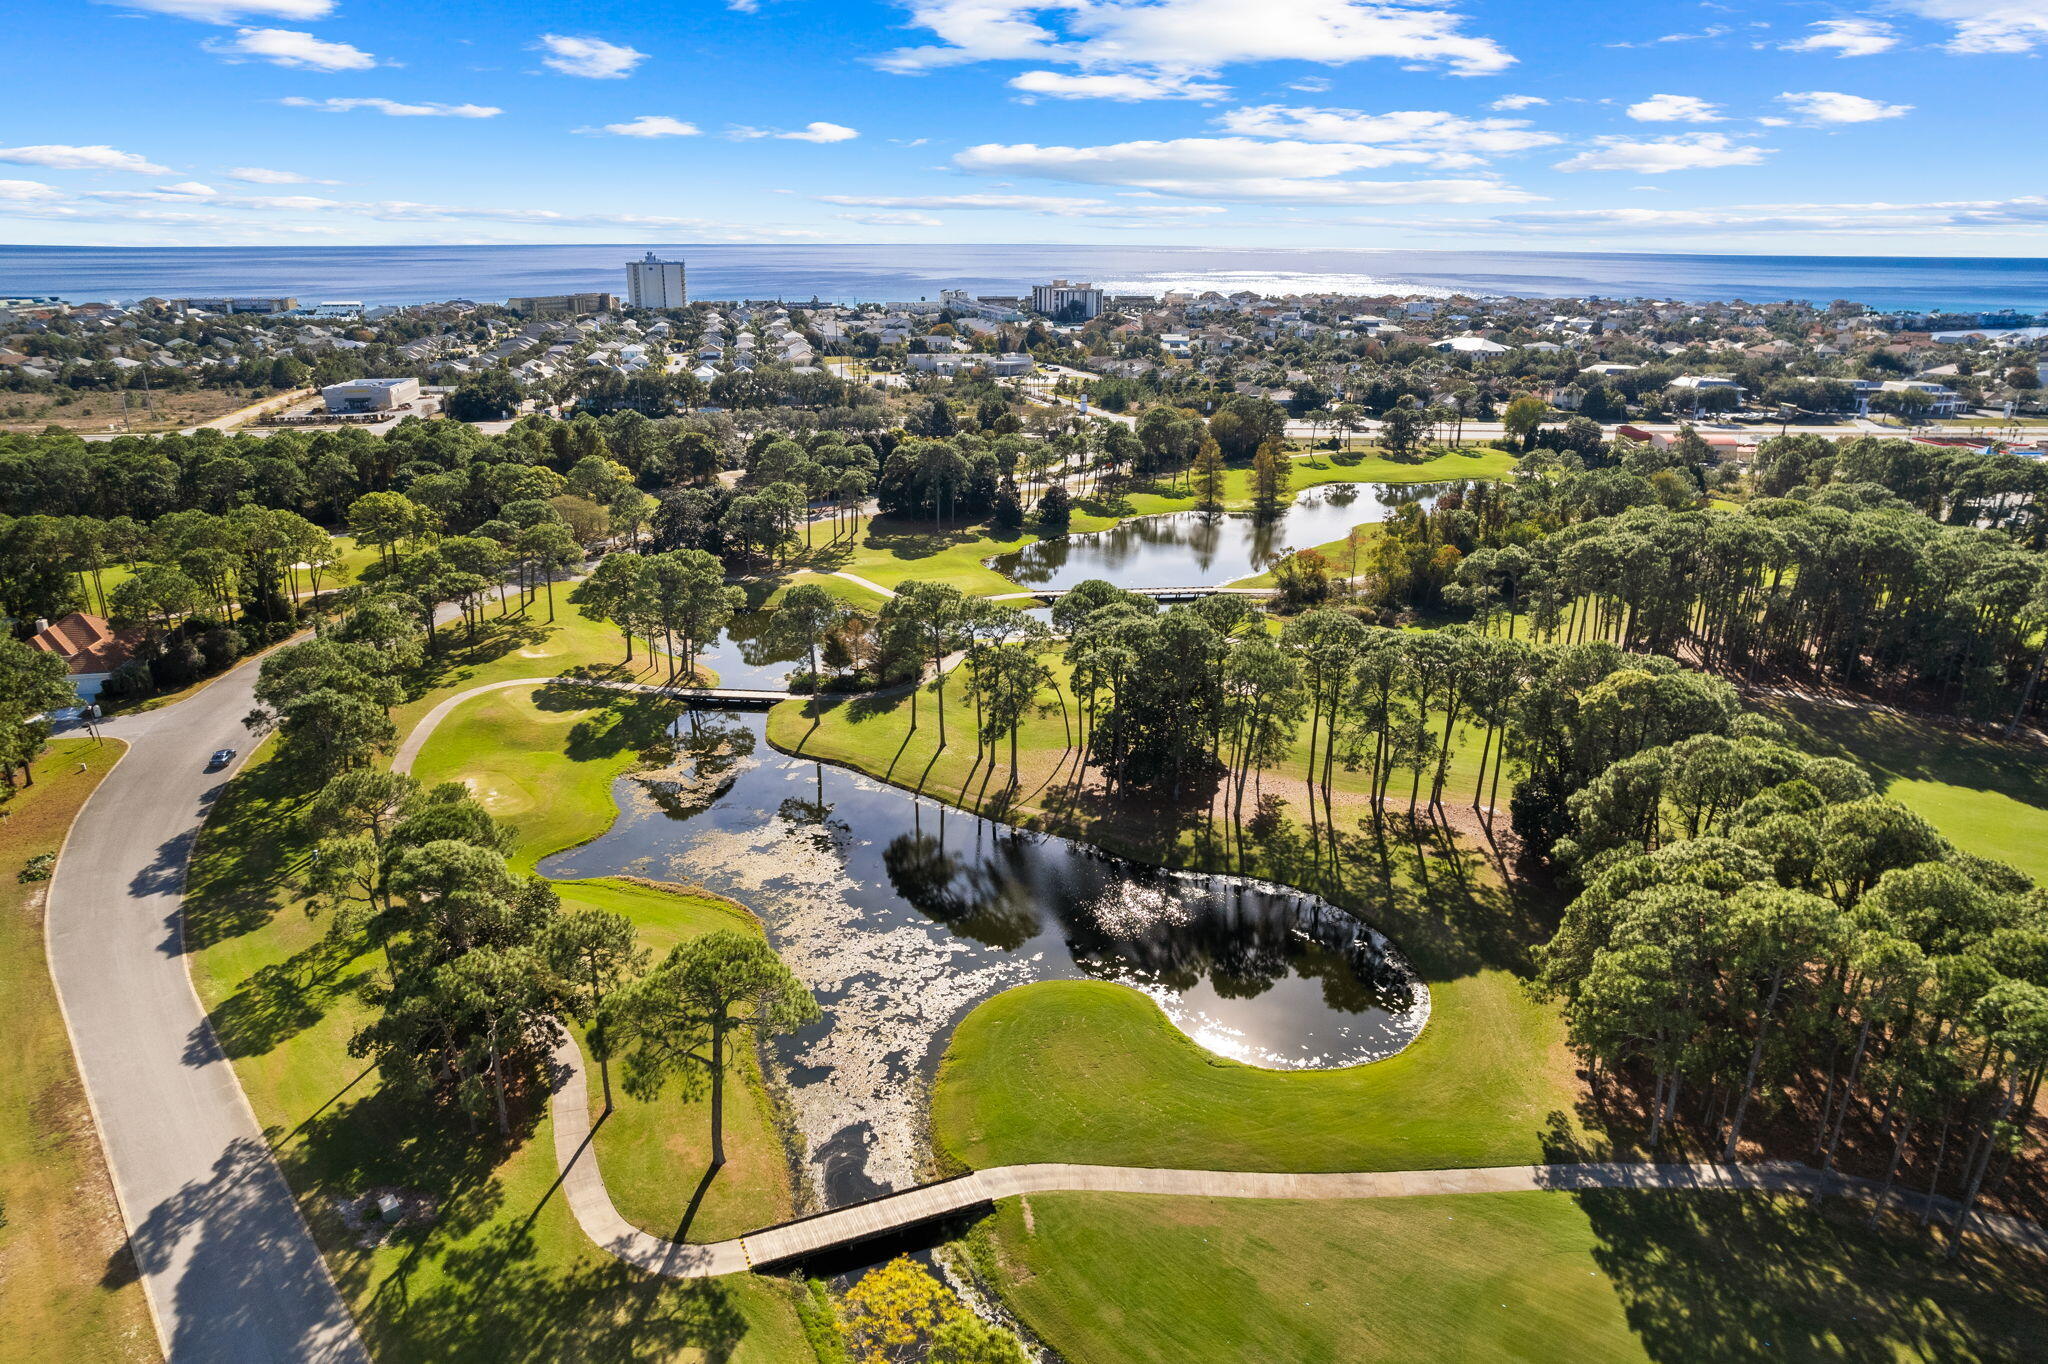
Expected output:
(371, 395)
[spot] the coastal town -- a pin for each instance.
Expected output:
(1733, 369)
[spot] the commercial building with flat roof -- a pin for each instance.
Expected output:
(563, 305)
(371, 395)
(652, 282)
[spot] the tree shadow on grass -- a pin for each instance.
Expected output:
(244, 856)
(280, 1001)
(1906, 747)
(1714, 1276)
(459, 658)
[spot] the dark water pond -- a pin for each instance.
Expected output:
(902, 914)
(1206, 549)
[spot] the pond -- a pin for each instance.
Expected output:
(1206, 549)
(902, 914)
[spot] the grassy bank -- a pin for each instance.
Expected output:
(1691, 1278)
(1093, 1072)
(1985, 795)
(67, 1286)
(502, 1271)
(891, 550)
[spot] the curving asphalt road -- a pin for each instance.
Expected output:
(229, 1268)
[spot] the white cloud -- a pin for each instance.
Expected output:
(1510, 103)
(648, 125)
(393, 107)
(190, 188)
(1847, 38)
(891, 219)
(1875, 218)
(287, 47)
(258, 175)
(1832, 106)
(1987, 26)
(1237, 168)
(1117, 85)
(810, 132)
(1442, 138)
(1047, 205)
(27, 192)
(228, 11)
(1714, 31)
(1675, 109)
(1193, 36)
(593, 58)
(1310, 85)
(100, 157)
(1661, 155)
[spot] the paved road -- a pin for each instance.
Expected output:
(230, 1270)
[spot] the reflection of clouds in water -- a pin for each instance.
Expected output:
(890, 988)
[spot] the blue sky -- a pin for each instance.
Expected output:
(1893, 128)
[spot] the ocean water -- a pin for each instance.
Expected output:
(413, 274)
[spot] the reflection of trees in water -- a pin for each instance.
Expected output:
(1125, 920)
(717, 741)
(811, 817)
(1182, 548)
(973, 899)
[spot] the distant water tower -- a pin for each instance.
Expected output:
(652, 282)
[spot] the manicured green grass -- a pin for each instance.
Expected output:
(503, 1272)
(1313, 471)
(656, 1153)
(67, 1285)
(1093, 1072)
(890, 550)
(1985, 795)
(1706, 1278)
(521, 643)
(542, 759)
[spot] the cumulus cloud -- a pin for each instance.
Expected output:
(1047, 205)
(1872, 218)
(1510, 103)
(891, 219)
(1987, 26)
(99, 157)
(1674, 109)
(1847, 38)
(258, 175)
(28, 192)
(592, 58)
(288, 47)
(810, 132)
(1661, 155)
(1832, 106)
(393, 108)
(1193, 36)
(648, 125)
(1439, 138)
(228, 11)
(1237, 168)
(1117, 85)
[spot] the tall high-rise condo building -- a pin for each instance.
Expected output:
(655, 283)
(1064, 302)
